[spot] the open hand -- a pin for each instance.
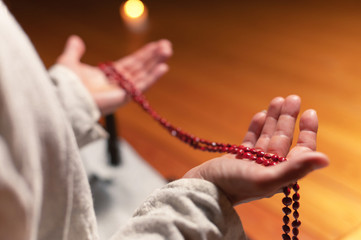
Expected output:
(142, 68)
(243, 180)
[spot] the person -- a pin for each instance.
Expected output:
(45, 117)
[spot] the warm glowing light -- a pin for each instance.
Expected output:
(134, 8)
(135, 15)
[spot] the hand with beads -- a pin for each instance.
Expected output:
(270, 131)
(143, 68)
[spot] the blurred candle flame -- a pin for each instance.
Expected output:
(134, 8)
(134, 14)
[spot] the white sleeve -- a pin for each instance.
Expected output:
(15, 197)
(78, 105)
(192, 209)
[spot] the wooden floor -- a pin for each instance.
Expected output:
(230, 59)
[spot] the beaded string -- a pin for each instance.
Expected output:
(240, 151)
(288, 201)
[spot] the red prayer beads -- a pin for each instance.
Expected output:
(288, 201)
(240, 151)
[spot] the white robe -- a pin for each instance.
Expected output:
(44, 193)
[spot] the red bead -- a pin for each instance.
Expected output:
(145, 106)
(267, 155)
(295, 231)
(155, 116)
(247, 155)
(221, 150)
(296, 197)
(137, 99)
(282, 159)
(209, 148)
(294, 238)
(196, 146)
(253, 151)
(167, 125)
(286, 220)
(259, 160)
(286, 228)
(286, 237)
(162, 121)
(272, 163)
(266, 162)
(286, 210)
(253, 158)
(296, 214)
(286, 191)
(246, 149)
(296, 205)
(296, 187)
(260, 154)
(296, 223)
(235, 150)
(274, 158)
(240, 152)
(287, 201)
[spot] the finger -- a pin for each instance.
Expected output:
(135, 62)
(145, 58)
(307, 137)
(149, 78)
(290, 171)
(269, 127)
(162, 53)
(136, 59)
(254, 129)
(73, 51)
(281, 140)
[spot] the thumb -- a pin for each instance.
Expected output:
(73, 51)
(298, 167)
